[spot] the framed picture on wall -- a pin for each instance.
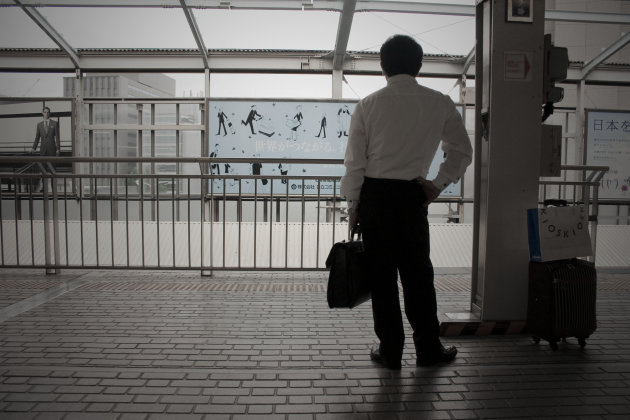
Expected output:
(520, 11)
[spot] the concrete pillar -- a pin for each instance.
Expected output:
(507, 154)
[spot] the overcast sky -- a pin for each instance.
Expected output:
(240, 29)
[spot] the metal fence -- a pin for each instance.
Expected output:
(55, 220)
(58, 213)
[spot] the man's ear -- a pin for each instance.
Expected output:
(383, 71)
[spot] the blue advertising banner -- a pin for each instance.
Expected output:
(608, 144)
(285, 129)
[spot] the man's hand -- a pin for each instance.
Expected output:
(353, 220)
(32, 151)
(57, 153)
(430, 191)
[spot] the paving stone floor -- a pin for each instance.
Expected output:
(177, 345)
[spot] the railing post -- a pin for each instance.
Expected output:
(206, 203)
(50, 265)
(55, 210)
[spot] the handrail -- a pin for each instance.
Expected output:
(588, 196)
(83, 159)
(114, 220)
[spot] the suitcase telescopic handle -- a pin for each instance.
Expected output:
(555, 202)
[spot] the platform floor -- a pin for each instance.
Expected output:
(176, 345)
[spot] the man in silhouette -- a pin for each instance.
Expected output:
(394, 135)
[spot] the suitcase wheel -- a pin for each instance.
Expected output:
(582, 341)
(552, 343)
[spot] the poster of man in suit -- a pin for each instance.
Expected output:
(48, 133)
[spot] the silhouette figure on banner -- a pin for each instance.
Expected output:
(251, 117)
(322, 126)
(223, 118)
(215, 168)
(256, 168)
(284, 169)
(343, 119)
(295, 123)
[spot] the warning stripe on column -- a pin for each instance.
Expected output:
(450, 329)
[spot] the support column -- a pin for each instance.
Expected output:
(509, 73)
(579, 123)
(77, 135)
(337, 84)
(207, 210)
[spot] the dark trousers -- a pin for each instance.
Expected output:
(395, 233)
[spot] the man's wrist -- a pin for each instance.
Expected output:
(440, 182)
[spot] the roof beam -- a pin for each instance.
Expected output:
(192, 22)
(343, 33)
(412, 7)
(50, 31)
(604, 55)
(587, 17)
(330, 5)
(257, 61)
(231, 61)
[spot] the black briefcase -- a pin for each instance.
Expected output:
(348, 281)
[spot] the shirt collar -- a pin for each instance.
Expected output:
(400, 79)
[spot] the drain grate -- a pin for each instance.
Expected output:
(203, 287)
(29, 284)
(442, 284)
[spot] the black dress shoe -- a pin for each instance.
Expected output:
(441, 355)
(377, 357)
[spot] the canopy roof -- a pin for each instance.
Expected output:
(280, 36)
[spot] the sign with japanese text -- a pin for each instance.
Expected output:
(284, 129)
(608, 144)
(517, 66)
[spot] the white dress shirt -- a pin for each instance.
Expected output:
(395, 133)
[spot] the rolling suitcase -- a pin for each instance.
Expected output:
(561, 301)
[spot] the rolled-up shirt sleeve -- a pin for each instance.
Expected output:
(457, 149)
(355, 159)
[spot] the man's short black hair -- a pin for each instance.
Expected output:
(45, 108)
(401, 54)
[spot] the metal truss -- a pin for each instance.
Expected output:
(192, 22)
(50, 31)
(339, 59)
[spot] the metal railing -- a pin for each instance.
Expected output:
(577, 185)
(198, 221)
(166, 221)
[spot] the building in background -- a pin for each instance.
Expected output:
(124, 133)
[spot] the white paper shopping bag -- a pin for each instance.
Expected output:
(557, 233)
